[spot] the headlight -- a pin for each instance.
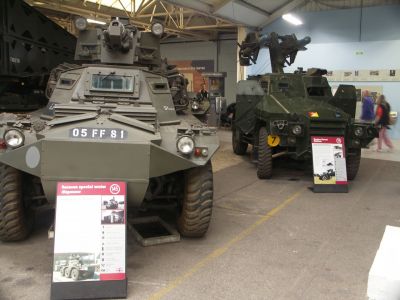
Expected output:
(297, 130)
(185, 145)
(195, 106)
(358, 131)
(81, 23)
(14, 138)
(280, 124)
(157, 29)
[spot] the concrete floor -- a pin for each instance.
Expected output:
(271, 239)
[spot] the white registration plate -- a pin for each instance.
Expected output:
(98, 133)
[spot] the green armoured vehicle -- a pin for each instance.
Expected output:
(278, 113)
(112, 119)
(79, 267)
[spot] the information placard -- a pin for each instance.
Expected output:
(329, 164)
(90, 241)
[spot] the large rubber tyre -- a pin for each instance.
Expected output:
(75, 274)
(196, 207)
(264, 163)
(353, 164)
(67, 272)
(16, 221)
(239, 147)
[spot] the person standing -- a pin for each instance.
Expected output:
(382, 119)
(202, 94)
(367, 112)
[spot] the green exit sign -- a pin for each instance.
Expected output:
(359, 52)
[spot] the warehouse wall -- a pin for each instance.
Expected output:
(337, 38)
(223, 53)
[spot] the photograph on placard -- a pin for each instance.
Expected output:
(80, 266)
(112, 217)
(326, 172)
(113, 202)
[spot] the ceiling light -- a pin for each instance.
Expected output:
(292, 19)
(96, 22)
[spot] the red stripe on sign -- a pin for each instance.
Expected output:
(327, 140)
(112, 276)
(341, 182)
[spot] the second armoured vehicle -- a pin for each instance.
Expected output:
(79, 267)
(278, 113)
(112, 119)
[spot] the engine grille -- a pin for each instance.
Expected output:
(329, 128)
(66, 111)
(147, 114)
(144, 114)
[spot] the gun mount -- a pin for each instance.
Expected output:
(119, 43)
(282, 48)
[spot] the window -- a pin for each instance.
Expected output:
(66, 81)
(318, 91)
(114, 83)
(283, 87)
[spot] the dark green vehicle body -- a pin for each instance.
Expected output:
(279, 102)
(262, 102)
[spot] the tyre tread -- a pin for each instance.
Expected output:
(353, 164)
(239, 147)
(197, 205)
(264, 165)
(13, 225)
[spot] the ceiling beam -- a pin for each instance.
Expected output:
(90, 10)
(283, 10)
(206, 27)
(202, 9)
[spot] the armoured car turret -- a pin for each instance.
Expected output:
(277, 113)
(110, 119)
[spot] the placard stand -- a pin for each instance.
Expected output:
(329, 164)
(90, 241)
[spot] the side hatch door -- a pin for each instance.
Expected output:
(345, 98)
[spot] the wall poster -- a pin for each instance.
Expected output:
(192, 70)
(364, 75)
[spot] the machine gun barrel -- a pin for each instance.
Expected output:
(283, 49)
(116, 37)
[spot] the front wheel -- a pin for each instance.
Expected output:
(75, 274)
(16, 220)
(67, 272)
(239, 147)
(264, 163)
(353, 164)
(196, 207)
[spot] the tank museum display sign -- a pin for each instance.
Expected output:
(90, 240)
(329, 164)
